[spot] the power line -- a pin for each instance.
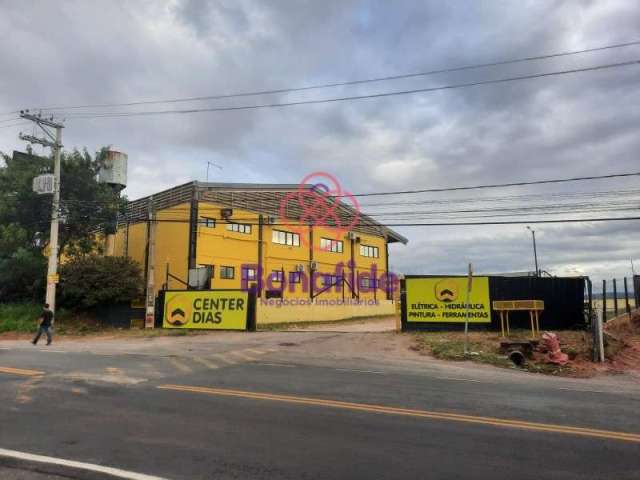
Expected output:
(506, 198)
(15, 124)
(442, 224)
(10, 119)
(512, 184)
(496, 185)
(514, 222)
(353, 97)
(346, 83)
(498, 199)
(543, 209)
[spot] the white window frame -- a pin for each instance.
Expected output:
(239, 228)
(209, 222)
(331, 246)
(369, 251)
(246, 276)
(282, 237)
(225, 269)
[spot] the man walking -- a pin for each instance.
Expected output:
(46, 320)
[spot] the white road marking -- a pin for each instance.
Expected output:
(256, 351)
(117, 378)
(584, 390)
(242, 356)
(179, 365)
(223, 358)
(115, 472)
(459, 379)
(205, 362)
(53, 351)
(5, 348)
(359, 371)
(286, 365)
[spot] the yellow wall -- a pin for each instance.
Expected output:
(118, 241)
(172, 245)
(218, 246)
(319, 310)
(137, 242)
(287, 257)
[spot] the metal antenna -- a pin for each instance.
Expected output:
(214, 165)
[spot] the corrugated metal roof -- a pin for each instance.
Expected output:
(265, 199)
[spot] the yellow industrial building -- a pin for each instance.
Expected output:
(301, 272)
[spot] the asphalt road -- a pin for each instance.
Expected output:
(265, 410)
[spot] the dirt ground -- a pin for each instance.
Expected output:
(622, 336)
(622, 349)
(376, 336)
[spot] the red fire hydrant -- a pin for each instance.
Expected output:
(552, 344)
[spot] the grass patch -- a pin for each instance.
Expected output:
(450, 346)
(22, 318)
(19, 317)
(486, 345)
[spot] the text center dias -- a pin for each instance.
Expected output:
(226, 310)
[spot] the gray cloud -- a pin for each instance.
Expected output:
(118, 51)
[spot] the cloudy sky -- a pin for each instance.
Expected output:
(70, 53)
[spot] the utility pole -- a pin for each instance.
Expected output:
(151, 268)
(54, 141)
(535, 251)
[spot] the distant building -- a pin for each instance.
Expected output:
(235, 230)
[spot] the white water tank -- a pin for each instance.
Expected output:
(114, 171)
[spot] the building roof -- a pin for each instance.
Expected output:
(262, 198)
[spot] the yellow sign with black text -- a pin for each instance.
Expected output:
(210, 310)
(444, 300)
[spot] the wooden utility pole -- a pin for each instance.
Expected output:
(626, 297)
(615, 298)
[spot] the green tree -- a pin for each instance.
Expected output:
(87, 207)
(91, 281)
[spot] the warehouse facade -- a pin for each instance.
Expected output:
(250, 236)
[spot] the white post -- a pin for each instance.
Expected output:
(55, 220)
(466, 317)
(599, 336)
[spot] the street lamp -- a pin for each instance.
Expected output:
(535, 252)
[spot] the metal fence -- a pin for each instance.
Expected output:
(619, 297)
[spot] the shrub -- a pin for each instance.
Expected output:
(22, 277)
(92, 281)
(19, 317)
